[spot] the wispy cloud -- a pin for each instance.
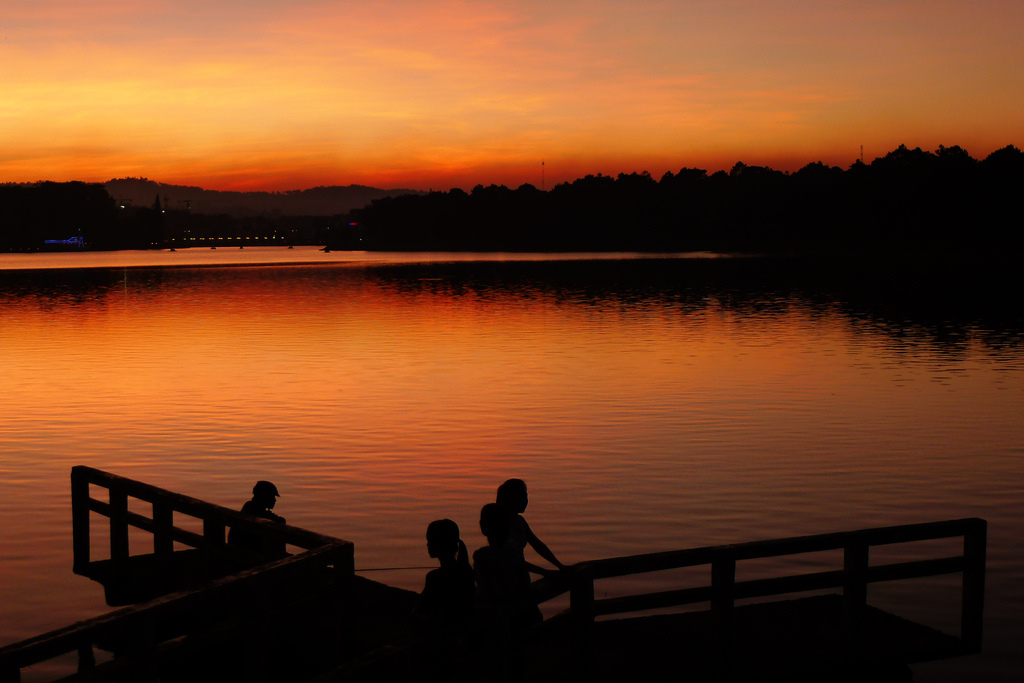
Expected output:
(352, 91)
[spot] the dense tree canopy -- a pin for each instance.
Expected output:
(32, 214)
(908, 199)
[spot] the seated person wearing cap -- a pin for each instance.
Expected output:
(264, 498)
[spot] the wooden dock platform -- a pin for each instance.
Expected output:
(790, 640)
(200, 609)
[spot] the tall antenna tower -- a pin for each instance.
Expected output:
(542, 188)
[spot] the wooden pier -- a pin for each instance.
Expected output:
(201, 609)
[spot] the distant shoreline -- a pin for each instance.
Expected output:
(909, 201)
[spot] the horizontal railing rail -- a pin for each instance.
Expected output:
(674, 559)
(579, 582)
(202, 608)
(221, 598)
(215, 519)
(724, 590)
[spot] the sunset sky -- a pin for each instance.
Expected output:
(277, 95)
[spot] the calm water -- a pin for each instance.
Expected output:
(650, 404)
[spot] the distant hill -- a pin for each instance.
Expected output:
(317, 201)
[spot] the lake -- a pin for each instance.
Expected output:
(650, 402)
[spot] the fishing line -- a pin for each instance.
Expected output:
(391, 569)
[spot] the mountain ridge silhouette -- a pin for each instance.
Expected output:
(317, 201)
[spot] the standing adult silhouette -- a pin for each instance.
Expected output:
(507, 608)
(513, 497)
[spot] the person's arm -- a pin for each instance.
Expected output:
(537, 569)
(541, 548)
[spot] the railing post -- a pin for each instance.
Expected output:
(119, 550)
(163, 523)
(581, 595)
(723, 598)
(80, 520)
(581, 613)
(855, 590)
(213, 541)
(855, 572)
(973, 598)
(86, 658)
(345, 565)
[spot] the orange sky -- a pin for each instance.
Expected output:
(268, 94)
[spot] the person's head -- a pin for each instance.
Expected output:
(442, 539)
(265, 494)
(512, 495)
(494, 523)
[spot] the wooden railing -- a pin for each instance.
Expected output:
(214, 518)
(724, 590)
(213, 608)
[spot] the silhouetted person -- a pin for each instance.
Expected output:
(445, 611)
(449, 593)
(507, 608)
(513, 497)
(264, 498)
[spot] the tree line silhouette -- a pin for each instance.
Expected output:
(905, 199)
(32, 213)
(908, 199)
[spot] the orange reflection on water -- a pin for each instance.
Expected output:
(381, 398)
